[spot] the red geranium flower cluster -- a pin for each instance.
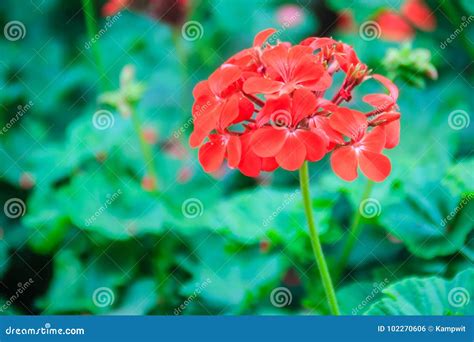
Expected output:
(265, 108)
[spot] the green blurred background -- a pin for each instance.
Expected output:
(221, 243)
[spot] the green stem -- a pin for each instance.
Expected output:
(145, 149)
(354, 232)
(316, 243)
(92, 30)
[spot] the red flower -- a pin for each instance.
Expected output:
(364, 149)
(265, 108)
(289, 68)
(283, 139)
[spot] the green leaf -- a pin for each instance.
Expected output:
(428, 296)
(138, 299)
(233, 278)
(430, 221)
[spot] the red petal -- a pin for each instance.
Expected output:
(223, 78)
(201, 89)
(211, 155)
(344, 163)
(250, 164)
(229, 112)
(317, 43)
(304, 104)
(377, 100)
(374, 141)
(246, 109)
(277, 105)
(374, 166)
(262, 36)
(234, 151)
(276, 59)
(203, 125)
(268, 141)
(269, 164)
(419, 14)
(292, 154)
(349, 122)
(391, 87)
(315, 145)
(260, 85)
(392, 134)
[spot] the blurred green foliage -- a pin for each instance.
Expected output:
(247, 236)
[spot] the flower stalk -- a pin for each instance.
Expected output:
(92, 29)
(316, 243)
